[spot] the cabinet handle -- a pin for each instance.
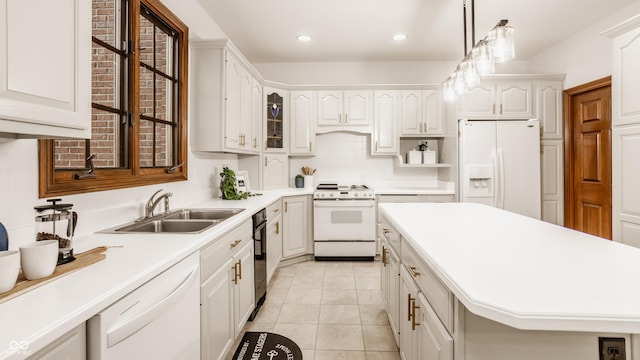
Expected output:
(409, 299)
(255, 143)
(346, 118)
(340, 118)
(265, 145)
(386, 231)
(235, 273)
(413, 315)
(265, 161)
(234, 244)
(310, 148)
(384, 256)
(413, 271)
(276, 210)
(376, 145)
(501, 109)
(286, 206)
(240, 276)
(278, 228)
(493, 109)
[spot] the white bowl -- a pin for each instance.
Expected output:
(39, 259)
(9, 268)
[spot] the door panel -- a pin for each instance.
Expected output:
(590, 168)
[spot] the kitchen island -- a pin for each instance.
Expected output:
(518, 288)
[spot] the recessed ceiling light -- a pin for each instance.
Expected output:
(399, 37)
(304, 38)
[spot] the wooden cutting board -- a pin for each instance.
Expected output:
(82, 260)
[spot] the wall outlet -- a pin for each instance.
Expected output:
(611, 348)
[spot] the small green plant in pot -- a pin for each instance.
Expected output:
(299, 181)
(228, 186)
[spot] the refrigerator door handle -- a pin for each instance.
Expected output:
(500, 188)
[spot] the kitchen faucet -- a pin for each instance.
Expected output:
(152, 203)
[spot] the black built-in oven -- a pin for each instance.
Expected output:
(260, 258)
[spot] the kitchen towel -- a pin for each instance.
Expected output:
(266, 346)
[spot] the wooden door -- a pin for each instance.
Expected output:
(588, 160)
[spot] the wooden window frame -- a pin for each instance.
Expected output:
(63, 182)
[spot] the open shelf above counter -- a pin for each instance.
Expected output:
(399, 162)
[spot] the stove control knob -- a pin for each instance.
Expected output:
(356, 195)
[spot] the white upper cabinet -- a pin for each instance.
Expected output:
(256, 116)
(223, 96)
(550, 109)
(385, 140)
(45, 76)
(344, 110)
(421, 113)
(495, 99)
(625, 85)
(302, 135)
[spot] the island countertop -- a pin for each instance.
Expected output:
(523, 272)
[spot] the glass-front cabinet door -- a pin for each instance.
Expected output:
(276, 116)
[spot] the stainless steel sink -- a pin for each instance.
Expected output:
(182, 221)
(169, 226)
(203, 214)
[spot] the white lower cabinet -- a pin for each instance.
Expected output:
(433, 340)
(274, 237)
(409, 310)
(72, 345)
(296, 219)
(227, 290)
(390, 287)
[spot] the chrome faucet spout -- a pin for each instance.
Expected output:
(152, 203)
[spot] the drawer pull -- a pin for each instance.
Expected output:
(240, 271)
(384, 256)
(234, 244)
(276, 210)
(235, 272)
(409, 300)
(413, 271)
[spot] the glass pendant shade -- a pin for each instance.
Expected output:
(469, 73)
(448, 93)
(501, 41)
(483, 58)
(459, 86)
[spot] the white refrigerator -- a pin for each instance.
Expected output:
(500, 164)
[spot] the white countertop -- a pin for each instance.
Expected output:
(38, 317)
(522, 272)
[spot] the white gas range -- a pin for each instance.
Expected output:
(344, 222)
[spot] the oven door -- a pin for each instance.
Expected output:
(339, 220)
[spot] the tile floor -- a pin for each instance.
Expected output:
(332, 310)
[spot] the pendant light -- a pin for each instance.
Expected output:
(496, 47)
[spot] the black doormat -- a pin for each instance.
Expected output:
(266, 346)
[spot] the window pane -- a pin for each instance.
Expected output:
(106, 138)
(146, 40)
(164, 96)
(164, 52)
(164, 146)
(146, 92)
(69, 154)
(146, 143)
(156, 143)
(105, 77)
(106, 21)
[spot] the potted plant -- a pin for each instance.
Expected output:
(299, 181)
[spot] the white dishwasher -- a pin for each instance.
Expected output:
(158, 320)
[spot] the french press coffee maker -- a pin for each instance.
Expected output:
(57, 222)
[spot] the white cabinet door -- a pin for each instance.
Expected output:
(274, 245)
(625, 80)
(330, 108)
(216, 313)
(412, 119)
(72, 345)
(357, 108)
(302, 135)
(296, 226)
(391, 288)
(498, 99)
(274, 174)
(243, 290)
(45, 76)
(246, 108)
(256, 116)
(386, 113)
(433, 340)
(408, 312)
(550, 109)
(233, 104)
(551, 165)
(626, 177)
(432, 112)
(514, 99)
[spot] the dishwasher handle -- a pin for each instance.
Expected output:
(139, 321)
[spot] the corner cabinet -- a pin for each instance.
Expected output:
(45, 98)
(276, 120)
(296, 219)
(222, 99)
(386, 115)
(494, 99)
(302, 136)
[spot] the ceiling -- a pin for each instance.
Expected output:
(360, 30)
